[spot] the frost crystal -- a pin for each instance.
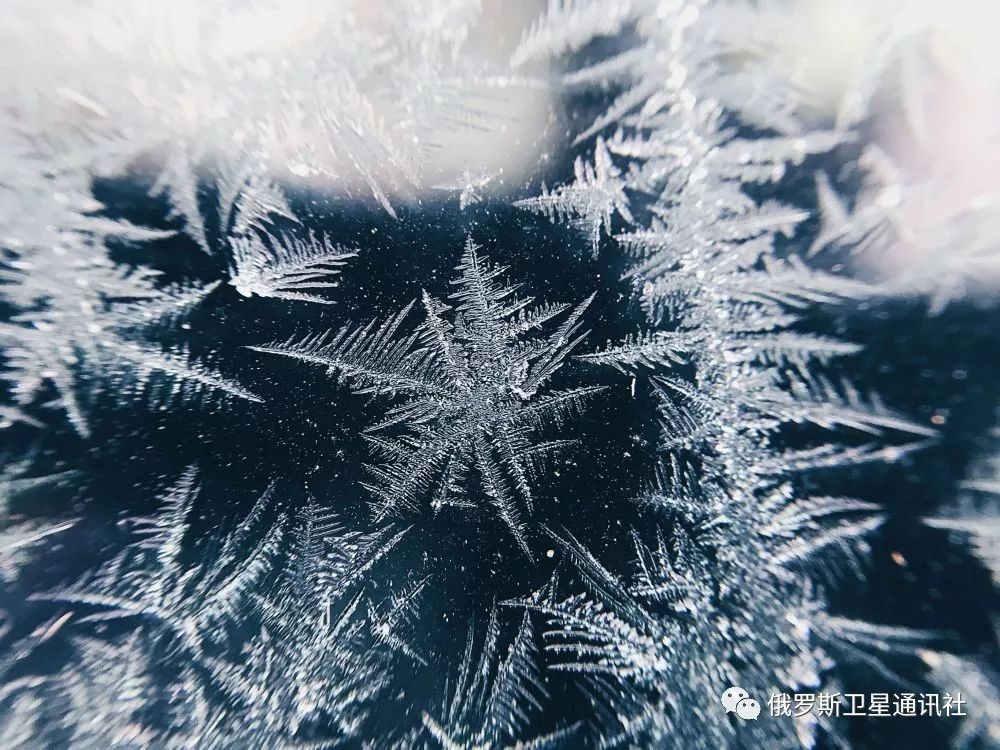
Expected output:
(279, 265)
(720, 594)
(152, 149)
(290, 651)
(149, 580)
(976, 514)
(78, 320)
(469, 187)
(286, 267)
(899, 224)
(493, 697)
(974, 682)
(20, 536)
(473, 394)
(591, 202)
(317, 663)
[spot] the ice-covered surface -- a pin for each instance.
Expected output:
(471, 374)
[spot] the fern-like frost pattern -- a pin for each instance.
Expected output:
(325, 607)
(472, 392)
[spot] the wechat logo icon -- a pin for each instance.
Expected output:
(738, 700)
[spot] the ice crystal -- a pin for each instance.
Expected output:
(317, 663)
(312, 622)
(267, 263)
(716, 600)
(20, 535)
(79, 316)
(286, 267)
(589, 203)
(899, 216)
(493, 698)
(470, 187)
(568, 25)
(11, 416)
(683, 627)
(180, 615)
(975, 515)
(974, 682)
(16, 541)
(650, 349)
(312, 667)
(109, 691)
(474, 393)
(149, 579)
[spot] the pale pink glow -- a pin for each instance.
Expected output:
(927, 77)
(174, 62)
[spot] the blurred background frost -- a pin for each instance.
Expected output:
(378, 96)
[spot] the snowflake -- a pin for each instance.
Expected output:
(474, 392)
(470, 186)
(596, 196)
